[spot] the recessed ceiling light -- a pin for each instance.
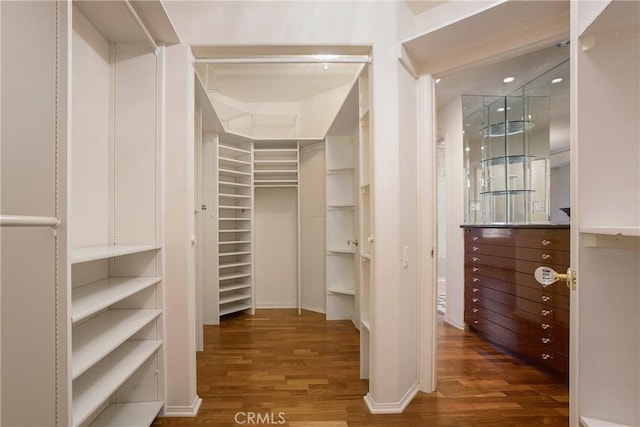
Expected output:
(558, 80)
(508, 79)
(501, 109)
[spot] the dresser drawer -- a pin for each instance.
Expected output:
(550, 256)
(543, 238)
(522, 279)
(539, 294)
(519, 265)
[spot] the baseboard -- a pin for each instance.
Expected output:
(391, 408)
(270, 305)
(454, 324)
(314, 309)
(183, 411)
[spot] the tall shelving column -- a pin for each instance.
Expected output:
(235, 225)
(341, 241)
(366, 222)
(276, 165)
(116, 362)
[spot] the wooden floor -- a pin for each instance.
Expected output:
(278, 368)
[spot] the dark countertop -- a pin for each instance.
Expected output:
(555, 225)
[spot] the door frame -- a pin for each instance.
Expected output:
(499, 48)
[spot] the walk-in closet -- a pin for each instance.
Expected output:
(284, 182)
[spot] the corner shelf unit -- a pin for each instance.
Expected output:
(341, 240)
(115, 336)
(235, 225)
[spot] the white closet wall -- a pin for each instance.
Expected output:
(312, 226)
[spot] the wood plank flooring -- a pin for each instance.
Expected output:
(281, 368)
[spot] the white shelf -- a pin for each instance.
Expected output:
(234, 287)
(594, 422)
(340, 206)
(231, 149)
(234, 219)
(235, 264)
(233, 184)
(331, 251)
(92, 253)
(234, 231)
(232, 172)
(276, 172)
(234, 297)
(234, 308)
(233, 163)
(139, 414)
(274, 150)
(235, 196)
(235, 242)
(234, 253)
(275, 181)
(341, 291)
(97, 337)
(89, 299)
(612, 231)
(340, 170)
(95, 386)
(234, 276)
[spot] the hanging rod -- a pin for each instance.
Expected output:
(294, 59)
(28, 221)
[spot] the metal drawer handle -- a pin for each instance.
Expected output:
(475, 279)
(475, 310)
(546, 356)
(475, 259)
(545, 326)
(546, 242)
(546, 256)
(475, 248)
(475, 269)
(475, 322)
(546, 298)
(474, 290)
(545, 312)
(474, 238)
(546, 340)
(475, 299)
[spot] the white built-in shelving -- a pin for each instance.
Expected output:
(275, 164)
(116, 372)
(365, 201)
(341, 231)
(235, 225)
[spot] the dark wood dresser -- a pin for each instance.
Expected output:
(503, 302)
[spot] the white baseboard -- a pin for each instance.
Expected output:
(314, 309)
(268, 305)
(454, 324)
(394, 407)
(183, 411)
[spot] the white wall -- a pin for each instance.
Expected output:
(276, 247)
(312, 226)
(179, 253)
(450, 122)
(560, 193)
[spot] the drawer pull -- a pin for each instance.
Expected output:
(475, 279)
(475, 259)
(546, 242)
(546, 356)
(475, 248)
(546, 256)
(545, 326)
(546, 340)
(474, 290)
(545, 312)
(475, 310)
(546, 298)
(475, 299)
(474, 238)
(475, 322)
(475, 269)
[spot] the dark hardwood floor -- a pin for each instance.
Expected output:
(279, 368)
